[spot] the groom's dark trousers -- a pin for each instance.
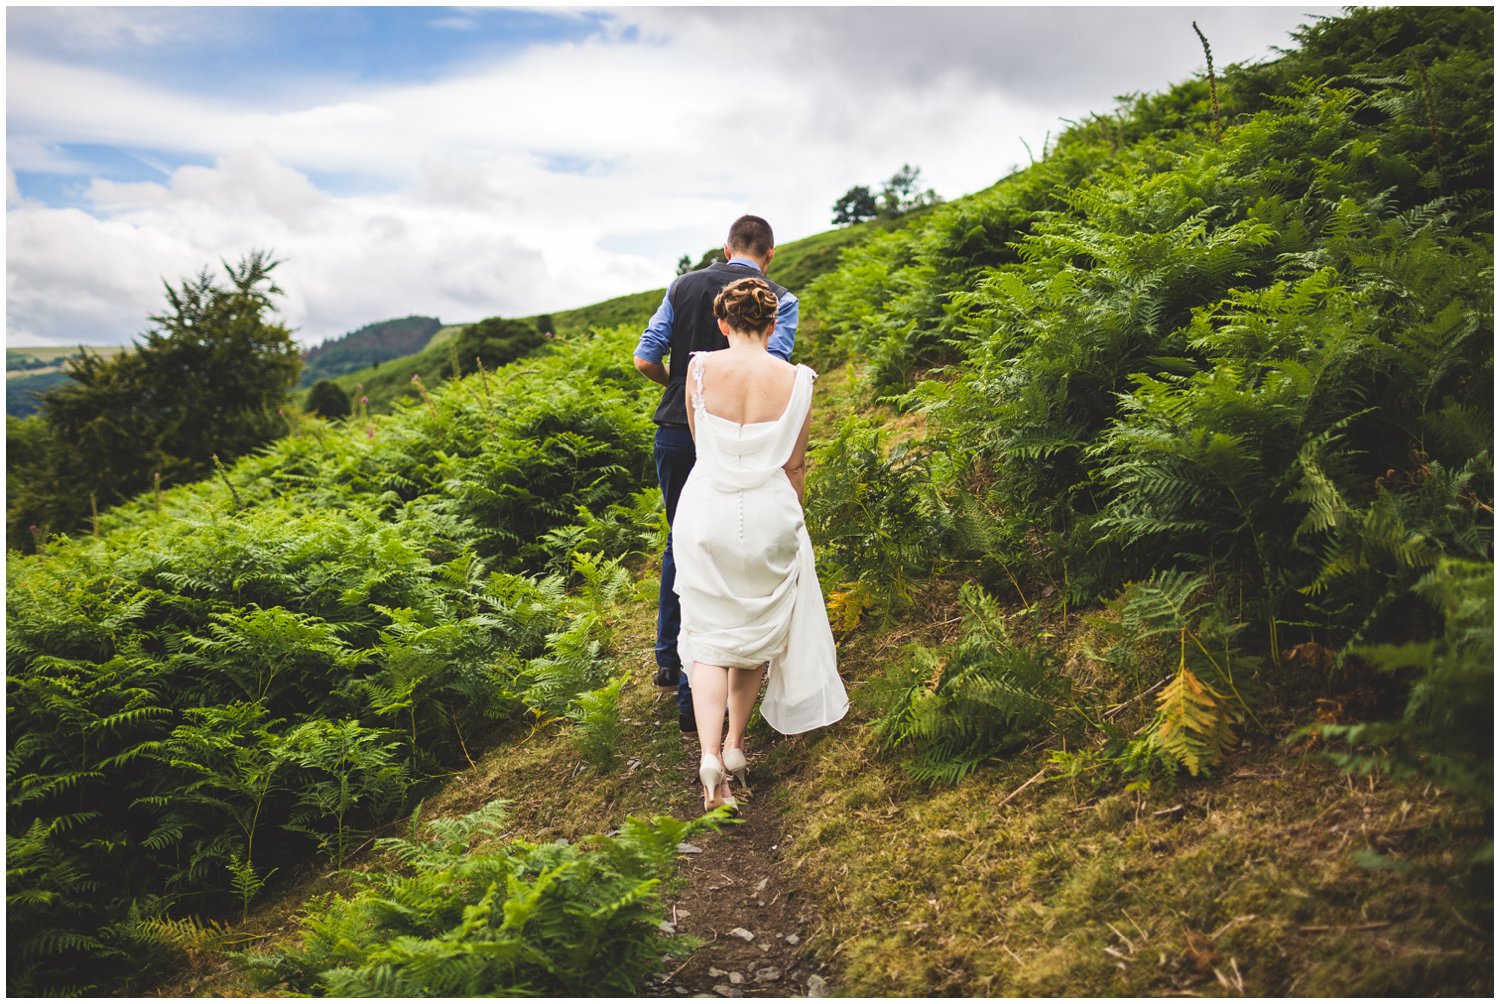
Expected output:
(674, 455)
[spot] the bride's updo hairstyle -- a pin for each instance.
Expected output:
(747, 305)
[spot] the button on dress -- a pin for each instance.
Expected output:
(745, 570)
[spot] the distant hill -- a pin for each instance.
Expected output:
(31, 372)
(369, 346)
(52, 357)
(23, 394)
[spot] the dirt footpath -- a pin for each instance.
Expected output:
(754, 925)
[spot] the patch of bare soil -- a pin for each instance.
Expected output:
(737, 898)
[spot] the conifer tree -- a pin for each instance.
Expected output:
(204, 381)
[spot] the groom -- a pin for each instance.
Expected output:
(682, 325)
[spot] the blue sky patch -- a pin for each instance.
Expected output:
(112, 163)
(589, 167)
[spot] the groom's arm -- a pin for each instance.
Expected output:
(655, 372)
(656, 342)
(784, 338)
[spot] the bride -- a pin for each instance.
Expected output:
(745, 571)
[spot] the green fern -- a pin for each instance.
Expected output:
(983, 697)
(1194, 724)
(875, 516)
(597, 728)
(350, 772)
(1446, 729)
(467, 916)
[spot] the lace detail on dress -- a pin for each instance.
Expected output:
(695, 367)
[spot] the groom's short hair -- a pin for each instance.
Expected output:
(751, 234)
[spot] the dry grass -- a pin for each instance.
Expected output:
(1247, 884)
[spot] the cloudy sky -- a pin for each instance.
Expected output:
(468, 162)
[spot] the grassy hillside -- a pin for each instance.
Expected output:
(1031, 877)
(1070, 888)
(1152, 493)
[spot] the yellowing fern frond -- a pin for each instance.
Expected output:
(196, 940)
(1194, 722)
(846, 608)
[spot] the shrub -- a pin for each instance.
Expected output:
(328, 399)
(204, 383)
(495, 342)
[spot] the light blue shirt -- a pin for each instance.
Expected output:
(656, 340)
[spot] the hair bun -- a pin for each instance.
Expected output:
(747, 305)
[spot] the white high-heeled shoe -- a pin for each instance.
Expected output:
(711, 775)
(736, 764)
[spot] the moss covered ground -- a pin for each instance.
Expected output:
(1260, 881)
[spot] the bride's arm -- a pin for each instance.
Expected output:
(796, 465)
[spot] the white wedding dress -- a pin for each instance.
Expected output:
(745, 571)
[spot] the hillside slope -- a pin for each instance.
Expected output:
(23, 392)
(30, 373)
(1152, 491)
(1251, 885)
(1027, 879)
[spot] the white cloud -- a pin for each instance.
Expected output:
(436, 197)
(98, 30)
(454, 23)
(73, 278)
(347, 261)
(50, 102)
(92, 29)
(1041, 54)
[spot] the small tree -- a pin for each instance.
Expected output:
(685, 263)
(902, 194)
(855, 206)
(545, 326)
(328, 399)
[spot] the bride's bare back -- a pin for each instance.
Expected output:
(746, 387)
